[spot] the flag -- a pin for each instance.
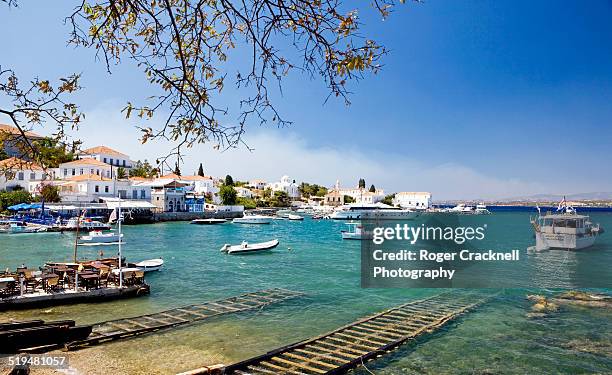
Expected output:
(561, 204)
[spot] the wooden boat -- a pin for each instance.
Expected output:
(208, 221)
(149, 265)
(245, 247)
(295, 217)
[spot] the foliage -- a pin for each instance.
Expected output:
(53, 152)
(11, 198)
(267, 193)
(307, 190)
(3, 154)
(348, 199)
(372, 189)
(240, 183)
(389, 199)
(361, 183)
(50, 193)
(229, 180)
(143, 169)
(228, 195)
(201, 170)
(208, 198)
(121, 173)
(280, 199)
(248, 203)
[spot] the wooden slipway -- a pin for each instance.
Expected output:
(138, 325)
(349, 346)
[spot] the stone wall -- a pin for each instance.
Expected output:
(188, 216)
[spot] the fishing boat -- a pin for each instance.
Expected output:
(97, 237)
(149, 265)
(245, 247)
(564, 230)
(355, 232)
(208, 221)
(253, 219)
(295, 217)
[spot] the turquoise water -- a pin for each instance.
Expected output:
(312, 258)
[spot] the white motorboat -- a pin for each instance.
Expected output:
(86, 224)
(462, 209)
(295, 217)
(356, 232)
(149, 265)
(481, 209)
(97, 237)
(376, 211)
(245, 247)
(208, 221)
(566, 230)
(253, 219)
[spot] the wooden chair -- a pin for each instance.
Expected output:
(104, 277)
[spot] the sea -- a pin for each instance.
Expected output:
(503, 336)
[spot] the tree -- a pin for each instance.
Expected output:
(50, 193)
(280, 199)
(53, 152)
(248, 203)
(308, 190)
(229, 181)
(201, 170)
(121, 173)
(184, 49)
(361, 183)
(228, 195)
(348, 199)
(143, 169)
(372, 189)
(389, 199)
(11, 198)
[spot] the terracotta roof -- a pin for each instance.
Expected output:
(140, 179)
(86, 161)
(87, 177)
(19, 164)
(102, 150)
(14, 131)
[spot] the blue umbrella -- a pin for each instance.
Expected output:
(20, 206)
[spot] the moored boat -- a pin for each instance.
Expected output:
(355, 232)
(295, 217)
(149, 265)
(208, 221)
(97, 237)
(376, 211)
(253, 219)
(245, 247)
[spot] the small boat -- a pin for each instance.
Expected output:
(16, 227)
(295, 217)
(356, 232)
(208, 221)
(86, 224)
(253, 219)
(245, 247)
(481, 209)
(149, 265)
(97, 237)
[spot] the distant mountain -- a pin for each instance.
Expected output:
(558, 197)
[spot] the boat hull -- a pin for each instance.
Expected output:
(545, 241)
(374, 215)
(250, 249)
(243, 220)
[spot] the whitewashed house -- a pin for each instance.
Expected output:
(286, 185)
(361, 195)
(413, 200)
(18, 173)
(80, 167)
(257, 184)
(243, 192)
(107, 155)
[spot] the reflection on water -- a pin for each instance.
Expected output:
(496, 339)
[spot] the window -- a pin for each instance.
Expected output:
(65, 171)
(20, 176)
(111, 161)
(157, 198)
(106, 189)
(105, 160)
(134, 194)
(124, 163)
(97, 189)
(143, 194)
(73, 171)
(98, 172)
(81, 171)
(32, 176)
(91, 171)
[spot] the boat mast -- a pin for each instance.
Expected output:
(119, 219)
(76, 239)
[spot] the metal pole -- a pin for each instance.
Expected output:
(119, 228)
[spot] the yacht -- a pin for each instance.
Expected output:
(97, 237)
(462, 209)
(481, 209)
(379, 211)
(566, 230)
(86, 224)
(253, 219)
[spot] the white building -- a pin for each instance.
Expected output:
(16, 172)
(414, 200)
(92, 188)
(87, 166)
(257, 184)
(286, 185)
(243, 192)
(361, 195)
(199, 185)
(108, 156)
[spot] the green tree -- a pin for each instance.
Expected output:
(228, 195)
(229, 181)
(143, 169)
(267, 193)
(121, 173)
(50, 193)
(201, 170)
(248, 203)
(372, 189)
(348, 199)
(53, 152)
(362, 183)
(11, 198)
(280, 199)
(389, 199)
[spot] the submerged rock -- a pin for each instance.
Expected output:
(541, 304)
(577, 297)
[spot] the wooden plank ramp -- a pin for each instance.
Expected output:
(352, 345)
(128, 327)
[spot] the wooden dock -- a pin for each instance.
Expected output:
(138, 325)
(349, 346)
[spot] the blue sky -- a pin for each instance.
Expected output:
(476, 99)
